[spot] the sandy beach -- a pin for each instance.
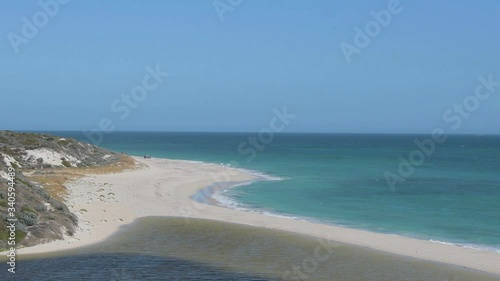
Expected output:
(162, 187)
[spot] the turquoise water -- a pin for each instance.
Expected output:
(453, 197)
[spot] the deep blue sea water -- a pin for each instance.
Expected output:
(453, 197)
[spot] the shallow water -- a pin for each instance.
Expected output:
(158, 248)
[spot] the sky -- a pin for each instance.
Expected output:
(232, 64)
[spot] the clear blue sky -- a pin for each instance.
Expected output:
(229, 75)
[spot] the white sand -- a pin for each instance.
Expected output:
(9, 159)
(49, 156)
(163, 188)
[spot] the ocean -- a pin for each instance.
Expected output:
(452, 197)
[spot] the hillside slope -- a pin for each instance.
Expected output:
(41, 213)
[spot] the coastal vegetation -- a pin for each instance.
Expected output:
(43, 164)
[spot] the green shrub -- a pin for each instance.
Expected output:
(28, 218)
(66, 163)
(29, 141)
(27, 209)
(4, 234)
(63, 142)
(73, 218)
(41, 208)
(23, 182)
(57, 205)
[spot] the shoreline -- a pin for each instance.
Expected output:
(163, 187)
(229, 205)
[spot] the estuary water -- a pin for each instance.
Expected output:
(159, 248)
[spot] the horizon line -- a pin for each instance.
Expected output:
(256, 132)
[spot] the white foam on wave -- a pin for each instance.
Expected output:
(261, 175)
(468, 246)
(195, 162)
(257, 174)
(442, 242)
(228, 202)
(290, 217)
(231, 203)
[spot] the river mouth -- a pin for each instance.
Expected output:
(164, 248)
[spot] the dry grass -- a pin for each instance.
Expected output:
(54, 179)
